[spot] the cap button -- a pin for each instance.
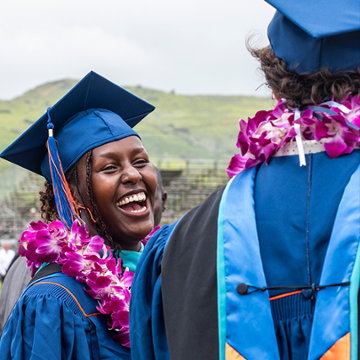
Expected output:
(242, 289)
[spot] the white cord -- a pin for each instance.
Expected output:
(298, 139)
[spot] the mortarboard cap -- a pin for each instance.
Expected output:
(312, 34)
(94, 112)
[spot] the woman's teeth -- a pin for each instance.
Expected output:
(139, 211)
(137, 197)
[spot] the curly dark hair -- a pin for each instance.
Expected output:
(304, 89)
(47, 203)
(48, 206)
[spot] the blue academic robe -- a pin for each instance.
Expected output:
(56, 319)
(174, 309)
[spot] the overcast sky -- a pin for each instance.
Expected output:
(190, 46)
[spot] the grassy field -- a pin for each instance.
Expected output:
(185, 127)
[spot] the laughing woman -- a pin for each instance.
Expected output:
(98, 206)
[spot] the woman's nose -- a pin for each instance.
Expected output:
(130, 174)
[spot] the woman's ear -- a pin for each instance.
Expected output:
(164, 199)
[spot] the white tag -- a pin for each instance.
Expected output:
(298, 139)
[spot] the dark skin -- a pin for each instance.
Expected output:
(119, 170)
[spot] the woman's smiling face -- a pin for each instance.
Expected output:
(123, 186)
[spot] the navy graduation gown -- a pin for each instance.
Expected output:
(56, 319)
(295, 209)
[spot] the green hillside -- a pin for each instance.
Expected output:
(194, 127)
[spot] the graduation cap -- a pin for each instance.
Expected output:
(94, 112)
(312, 34)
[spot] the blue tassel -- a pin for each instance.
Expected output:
(65, 204)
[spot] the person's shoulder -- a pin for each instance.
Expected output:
(67, 291)
(198, 218)
(45, 315)
(165, 230)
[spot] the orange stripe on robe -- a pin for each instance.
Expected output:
(339, 351)
(232, 354)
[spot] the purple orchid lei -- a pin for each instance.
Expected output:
(79, 255)
(263, 135)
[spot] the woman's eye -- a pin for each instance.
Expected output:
(109, 167)
(140, 163)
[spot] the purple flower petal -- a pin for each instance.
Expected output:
(279, 109)
(356, 120)
(349, 136)
(243, 144)
(237, 164)
(269, 150)
(123, 337)
(96, 244)
(321, 130)
(119, 263)
(336, 147)
(70, 269)
(35, 226)
(102, 282)
(21, 250)
(127, 278)
(120, 318)
(348, 150)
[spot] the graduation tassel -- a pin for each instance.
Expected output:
(65, 204)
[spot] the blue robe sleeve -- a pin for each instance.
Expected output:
(43, 327)
(147, 329)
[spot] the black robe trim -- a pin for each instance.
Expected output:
(192, 329)
(46, 271)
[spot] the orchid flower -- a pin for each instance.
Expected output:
(261, 137)
(90, 261)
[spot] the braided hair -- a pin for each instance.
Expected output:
(99, 223)
(48, 206)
